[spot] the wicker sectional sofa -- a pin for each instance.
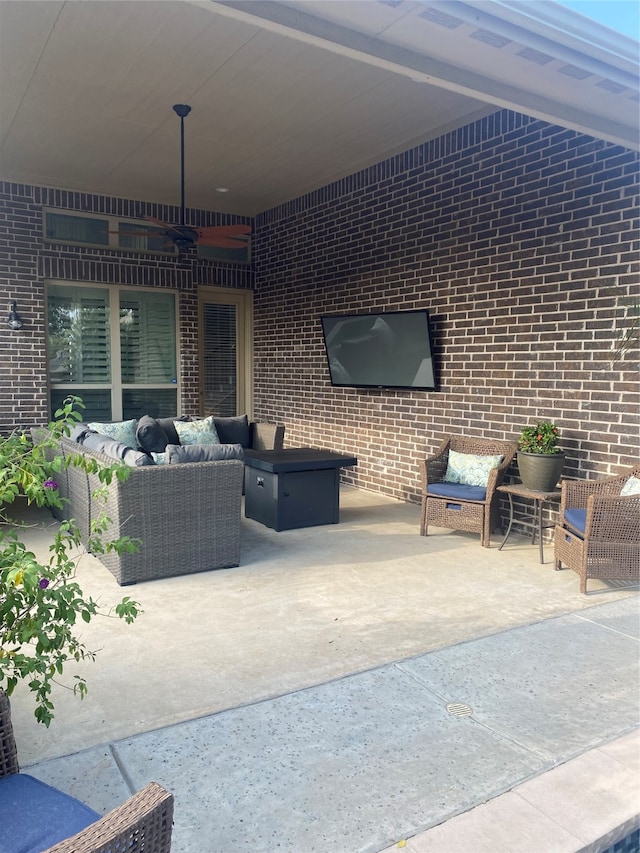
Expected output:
(186, 516)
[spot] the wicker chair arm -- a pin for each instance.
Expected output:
(8, 750)
(613, 519)
(266, 436)
(575, 493)
(435, 466)
(146, 817)
(497, 475)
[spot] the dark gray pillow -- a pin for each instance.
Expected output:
(115, 450)
(176, 453)
(233, 430)
(169, 428)
(150, 435)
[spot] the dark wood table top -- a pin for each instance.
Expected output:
(297, 459)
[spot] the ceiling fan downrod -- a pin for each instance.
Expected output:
(183, 111)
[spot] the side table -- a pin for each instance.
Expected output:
(538, 499)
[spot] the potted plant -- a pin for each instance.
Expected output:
(540, 460)
(41, 603)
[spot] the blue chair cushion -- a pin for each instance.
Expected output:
(576, 518)
(457, 490)
(36, 816)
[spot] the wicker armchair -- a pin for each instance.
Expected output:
(477, 513)
(599, 531)
(143, 823)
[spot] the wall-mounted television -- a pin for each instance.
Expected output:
(391, 349)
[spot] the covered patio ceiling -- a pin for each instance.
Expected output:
(286, 96)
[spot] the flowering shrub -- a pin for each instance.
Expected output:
(41, 603)
(541, 438)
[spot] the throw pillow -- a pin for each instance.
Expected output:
(122, 431)
(159, 458)
(150, 436)
(234, 430)
(470, 468)
(197, 432)
(631, 487)
(177, 453)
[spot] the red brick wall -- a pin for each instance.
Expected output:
(518, 237)
(26, 262)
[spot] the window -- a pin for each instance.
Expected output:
(116, 348)
(112, 232)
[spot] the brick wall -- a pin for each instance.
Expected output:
(519, 238)
(27, 262)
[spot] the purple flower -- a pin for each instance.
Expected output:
(43, 583)
(50, 484)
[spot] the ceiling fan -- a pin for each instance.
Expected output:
(185, 236)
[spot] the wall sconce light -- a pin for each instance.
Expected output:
(15, 320)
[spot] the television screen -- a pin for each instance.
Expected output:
(386, 350)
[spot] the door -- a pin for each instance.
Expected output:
(226, 364)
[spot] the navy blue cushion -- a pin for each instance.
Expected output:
(36, 816)
(576, 518)
(458, 490)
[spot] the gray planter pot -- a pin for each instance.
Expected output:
(540, 471)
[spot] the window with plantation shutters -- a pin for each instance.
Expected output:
(79, 345)
(115, 348)
(147, 338)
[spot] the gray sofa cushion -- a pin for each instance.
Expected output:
(176, 453)
(115, 450)
(153, 434)
(150, 435)
(234, 430)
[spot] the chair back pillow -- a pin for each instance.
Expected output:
(631, 487)
(471, 469)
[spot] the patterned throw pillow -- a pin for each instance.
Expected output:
(470, 469)
(122, 431)
(631, 487)
(197, 432)
(158, 458)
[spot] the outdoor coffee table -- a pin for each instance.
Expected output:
(538, 499)
(296, 487)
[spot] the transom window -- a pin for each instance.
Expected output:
(114, 347)
(112, 232)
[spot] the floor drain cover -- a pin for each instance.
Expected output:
(459, 709)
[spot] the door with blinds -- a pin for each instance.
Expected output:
(226, 334)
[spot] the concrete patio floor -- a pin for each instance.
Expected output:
(299, 702)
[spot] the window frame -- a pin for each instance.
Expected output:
(112, 226)
(115, 386)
